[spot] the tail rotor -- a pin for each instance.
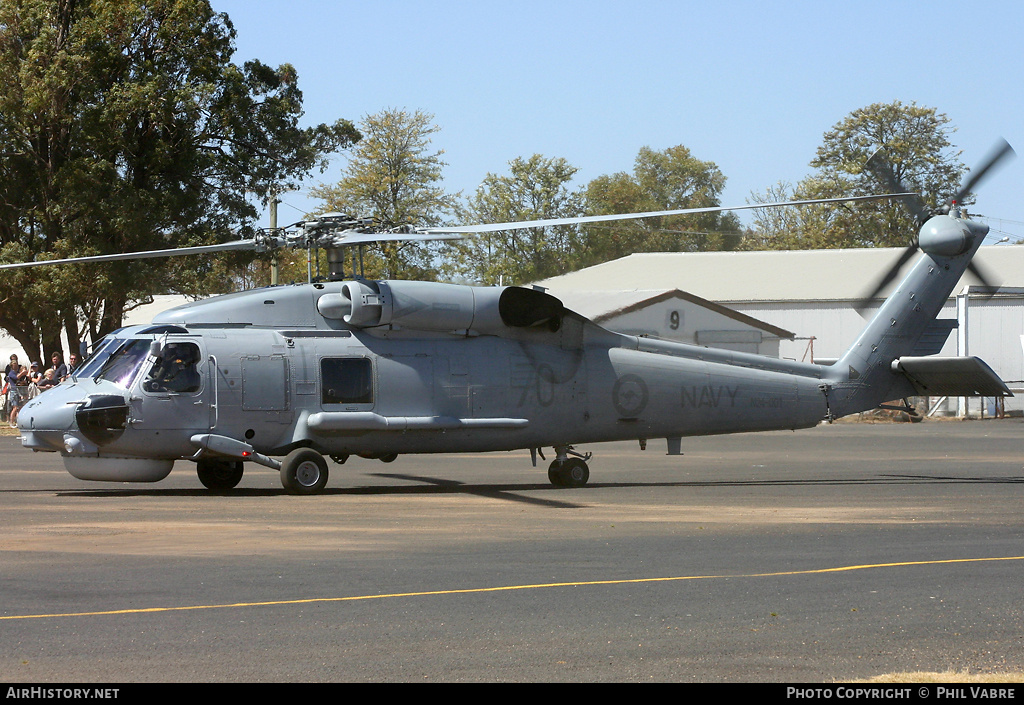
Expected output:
(917, 207)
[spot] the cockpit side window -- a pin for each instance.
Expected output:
(176, 370)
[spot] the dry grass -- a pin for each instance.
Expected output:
(945, 677)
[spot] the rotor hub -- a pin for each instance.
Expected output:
(948, 236)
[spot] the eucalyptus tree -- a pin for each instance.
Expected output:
(394, 176)
(535, 188)
(671, 179)
(913, 139)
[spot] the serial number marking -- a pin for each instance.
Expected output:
(766, 402)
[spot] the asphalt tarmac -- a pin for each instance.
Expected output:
(840, 552)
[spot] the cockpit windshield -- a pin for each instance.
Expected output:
(123, 362)
(96, 359)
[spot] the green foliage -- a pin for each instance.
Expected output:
(534, 188)
(916, 143)
(124, 126)
(809, 227)
(394, 176)
(672, 179)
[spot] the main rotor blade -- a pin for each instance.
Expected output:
(550, 222)
(201, 249)
(354, 238)
(1000, 152)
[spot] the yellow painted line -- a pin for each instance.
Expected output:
(506, 588)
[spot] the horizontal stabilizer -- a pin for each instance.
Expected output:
(951, 376)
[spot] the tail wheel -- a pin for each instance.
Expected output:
(304, 471)
(220, 474)
(571, 472)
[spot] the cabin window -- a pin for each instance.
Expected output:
(346, 380)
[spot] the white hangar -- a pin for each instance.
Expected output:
(677, 315)
(814, 294)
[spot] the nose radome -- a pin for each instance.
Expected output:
(52, 410)
(45, 420)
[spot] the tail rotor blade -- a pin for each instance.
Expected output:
(887, 277)
(882, 169)
(984, 277)
(1000, 152)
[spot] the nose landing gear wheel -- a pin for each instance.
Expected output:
(304, 471)
(572, 472)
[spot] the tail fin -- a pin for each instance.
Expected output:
(864, 376)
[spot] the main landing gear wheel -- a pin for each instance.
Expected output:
(571, 472)
(219, 474)
(304, 471)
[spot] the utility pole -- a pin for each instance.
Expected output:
(962, 307)
(273, 228)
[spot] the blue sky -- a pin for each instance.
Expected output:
(751, 86)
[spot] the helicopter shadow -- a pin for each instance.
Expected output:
(513, 492)
(436, 486)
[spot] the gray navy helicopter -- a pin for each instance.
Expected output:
(288, 376)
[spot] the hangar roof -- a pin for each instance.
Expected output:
(770, 275)
(601, 306)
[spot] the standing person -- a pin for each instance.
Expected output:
(17, 374)
(74, 362)
(14, 361)
(6, 408)
(6, 386)
(35, 376)
(60, 370)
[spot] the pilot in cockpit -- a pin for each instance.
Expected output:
(175, 370)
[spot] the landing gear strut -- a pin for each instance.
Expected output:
(566, 471)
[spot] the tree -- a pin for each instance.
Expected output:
(394, 176)
(672, 179)
(534, 188)
(807, 227)
(124, 126)
(916, 144)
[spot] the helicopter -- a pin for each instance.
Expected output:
(290, 376)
